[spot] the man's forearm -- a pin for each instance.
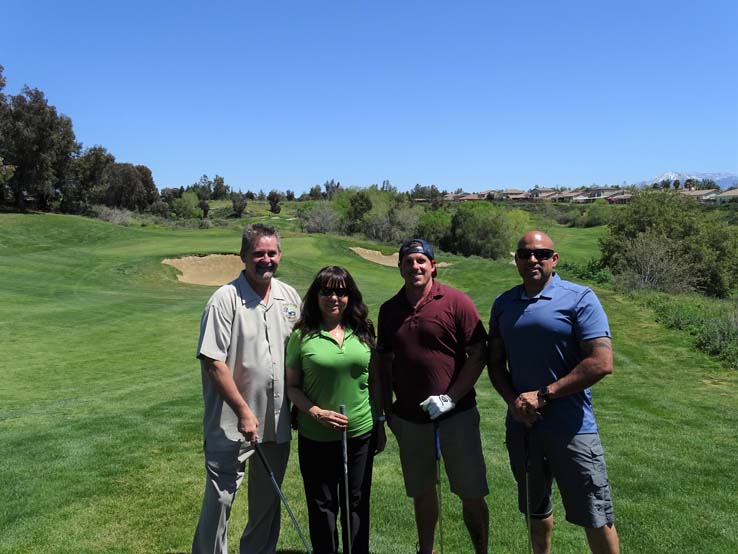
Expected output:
(596, 364)
(220, 374)
(498, 372)
(470, 372)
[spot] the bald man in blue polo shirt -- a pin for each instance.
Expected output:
(549, 341)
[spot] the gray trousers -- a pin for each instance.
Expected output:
(225, 471)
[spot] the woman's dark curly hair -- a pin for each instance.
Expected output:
(355, 314)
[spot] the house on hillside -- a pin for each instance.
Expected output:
(466, 197)
(541, 193)
(591, 194)
(512, 194)
(620, 197)
(565, 195)
(727, 196)
(702, 196)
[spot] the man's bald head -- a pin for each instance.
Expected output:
(537, 238)
(536, 259)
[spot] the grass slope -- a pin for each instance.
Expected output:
(100, 408)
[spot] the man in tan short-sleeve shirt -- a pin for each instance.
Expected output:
(243, 332)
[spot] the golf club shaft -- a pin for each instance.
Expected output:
(437, 444)
(526, 451)
(267, 467)
(347, 503)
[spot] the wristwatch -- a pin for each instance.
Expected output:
(380, 419)
(544, 396)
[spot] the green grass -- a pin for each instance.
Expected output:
(100, 408)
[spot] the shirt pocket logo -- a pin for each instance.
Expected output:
(290, 312)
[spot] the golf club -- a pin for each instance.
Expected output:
(268, 469)
(437, 441)
(526, 451)
(347, 510)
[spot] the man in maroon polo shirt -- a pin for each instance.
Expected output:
(431, 346)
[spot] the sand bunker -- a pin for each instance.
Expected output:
(389, 260)
(376, 256)
(219, 269)
(213, 270)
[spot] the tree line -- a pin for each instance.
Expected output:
(43, 166)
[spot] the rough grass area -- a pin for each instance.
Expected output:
(712, 323)
(100, 404)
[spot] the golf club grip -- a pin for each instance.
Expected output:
(437, 439)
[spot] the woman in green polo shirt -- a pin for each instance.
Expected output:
(328, 361)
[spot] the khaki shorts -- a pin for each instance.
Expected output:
(461, 450)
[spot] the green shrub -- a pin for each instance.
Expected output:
(663, 240)
(318, 217)
(591, 270)
(117, 216)
(712, 322)
(718, 336)
(435, 226)
(187, 206)
(486, 230)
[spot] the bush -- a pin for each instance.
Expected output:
(117, 216)
(394, 225)
(680, 234)
(656, 262)
(592, 270)
(435, 226)
(713, 323)
(159, 208)
(318, 217)
(239, 202)
(486, 230)
(719, 337)
(594, 215)
(186, 206)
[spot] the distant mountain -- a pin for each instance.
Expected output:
(723, 180)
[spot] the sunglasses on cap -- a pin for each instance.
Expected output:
(339, 292)
(539, 253)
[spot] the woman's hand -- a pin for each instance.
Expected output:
(329, 418)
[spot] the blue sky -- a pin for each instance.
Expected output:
(287, 94)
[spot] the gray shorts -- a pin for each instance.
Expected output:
(461, 450)
(578, 465)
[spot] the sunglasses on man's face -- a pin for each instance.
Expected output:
(340, 293)
(539, 253)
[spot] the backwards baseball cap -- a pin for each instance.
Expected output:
(416, 246)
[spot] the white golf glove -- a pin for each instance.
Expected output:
(437, 405)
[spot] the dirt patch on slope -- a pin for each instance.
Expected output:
(213, 270)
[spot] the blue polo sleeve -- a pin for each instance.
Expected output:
(591, 322)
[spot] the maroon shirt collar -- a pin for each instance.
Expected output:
(435, 292)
